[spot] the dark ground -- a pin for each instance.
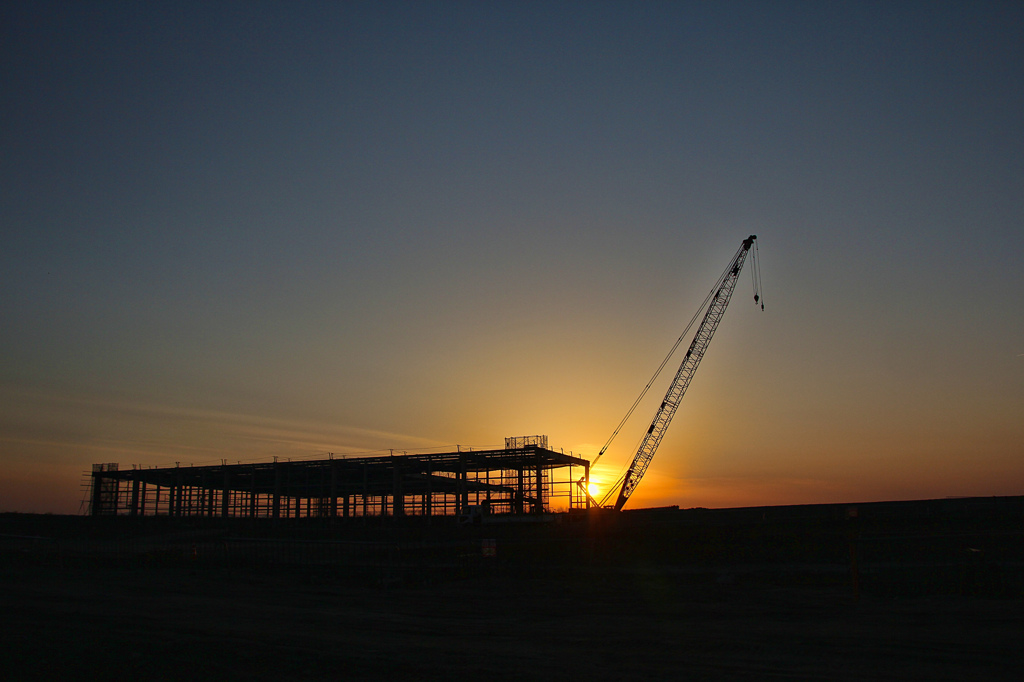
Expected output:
(702, 595)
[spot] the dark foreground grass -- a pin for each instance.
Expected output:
(643, 600)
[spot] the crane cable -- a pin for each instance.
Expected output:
(755, 279)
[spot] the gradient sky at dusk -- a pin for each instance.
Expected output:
(240, 230)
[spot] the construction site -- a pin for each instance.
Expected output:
(525, 477)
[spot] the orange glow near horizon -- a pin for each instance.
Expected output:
(51, 440)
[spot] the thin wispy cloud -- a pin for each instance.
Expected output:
(157, 433)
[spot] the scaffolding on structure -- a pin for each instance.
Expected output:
(523, 478)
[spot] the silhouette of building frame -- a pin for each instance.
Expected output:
(522, 478)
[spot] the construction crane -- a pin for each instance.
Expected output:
(719, 297)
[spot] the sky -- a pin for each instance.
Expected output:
(240, 230)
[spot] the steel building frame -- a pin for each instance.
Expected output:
(519, 479)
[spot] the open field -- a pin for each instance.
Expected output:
(663, 595)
